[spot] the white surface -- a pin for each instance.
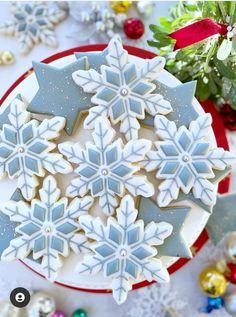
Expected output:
(12, 275)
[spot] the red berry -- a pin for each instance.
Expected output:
(133, 28)
(229, 116)
(231, 276)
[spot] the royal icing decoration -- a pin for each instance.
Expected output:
(58, 95)
(48, 228)
(107, 168)
(33, 22)
(124, 249)
(25, 150)
(123, 92)
(185, 160)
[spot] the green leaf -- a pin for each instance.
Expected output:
(232, 97)
(203, 90)
(223, 69)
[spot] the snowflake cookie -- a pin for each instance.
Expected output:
(186, 160)
(123, 91)
(106, 169)
(48, 229)
(123, 249)
(33, 22)
(25, 148)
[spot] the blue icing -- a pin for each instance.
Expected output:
(223, 218)
(58, 95)
(175, 244)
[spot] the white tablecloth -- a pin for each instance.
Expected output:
(183, 292)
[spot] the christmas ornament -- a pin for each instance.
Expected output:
(121, 6)
(212, 282)
(41, 305)
(230, 303)
(8, 310)
(79, 313)
(228, 116)
(230, 247)
(6, 58)
(145, 7)
(231, 275)
(213, 303)
(133, 28)
(58, 313)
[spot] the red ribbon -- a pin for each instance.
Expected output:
(197, 32)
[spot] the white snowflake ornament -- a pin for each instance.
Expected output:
(124, 249)
(33, 22)
(48, 228)
(123, 92)
(25, 150)
(186, 160)
(107, 168)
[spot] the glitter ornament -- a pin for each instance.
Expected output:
(230, 303)
(41, 305)
(79, 313)
(212, 282)
(231, 276)
(59, 313)
(121, 6)
(230, 247)
(133, 28)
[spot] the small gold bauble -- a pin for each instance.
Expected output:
(6, 58)
(121, 6)
(212, 282)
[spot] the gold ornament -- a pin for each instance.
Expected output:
(212, 282)
(121, 6)
(6, 58)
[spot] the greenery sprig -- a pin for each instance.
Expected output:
(211, 62)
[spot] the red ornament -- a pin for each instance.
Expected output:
(231, 276)
(229, 116)
(133, 28)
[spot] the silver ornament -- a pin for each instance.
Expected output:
(8, 310)
(145, 7)
(230, 303)
(41, 305)
(230, 247)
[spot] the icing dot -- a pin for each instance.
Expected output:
(48, 229)
(104, 172)
(124, 92)
(123, 252)
(185, 158)
(21, 149)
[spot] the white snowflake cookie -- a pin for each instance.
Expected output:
(124, 249)
(25, 150)
(106, 169)
(48, 228)
(186, 160)
(33, 22)
(123, 92)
